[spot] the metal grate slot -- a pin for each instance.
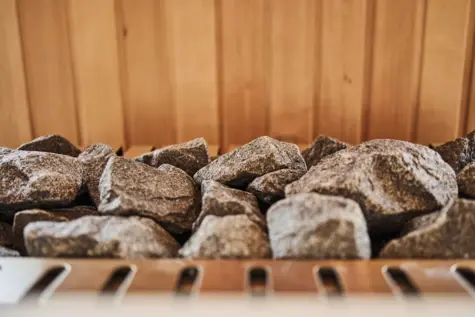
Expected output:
(186, 281)
(115, 281)
(468, 276)
(47, 279)
(257, 281)
(330, 281)
(400, 279)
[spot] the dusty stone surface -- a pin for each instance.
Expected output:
(270, 187)
(166, 194)
(220, 200)
(466, 181)
(24, 217)
(93, 236)
(189, 156)
(259, 157)
(94, 159)
(53, 144)
(5, 150)
(393, 181)
(229, 237)
(320, 148)
(420, 222)
(7, 253)
(459, 152)
(313, 226)
(451, 235)
(6, 234)
(38, 179)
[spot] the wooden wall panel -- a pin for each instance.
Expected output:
(395, 68)
(14, 115)
(96, 68)
(47, 57)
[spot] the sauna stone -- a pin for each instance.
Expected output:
(229, 237)
(393, 181)
(420, 222)
(6, 252)
(459, 152)
(94, 159)
(466, 181)
(270, 187)
(451, 235)
(5, 150)
(320, 148)
(166, 194)
(220, 200)
(258, 157)
(52, 144)
(6, 234)
(38, 179)
(189, 156)
(93, 236)
(314, 226)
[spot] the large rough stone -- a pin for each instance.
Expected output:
(420, 222)
(7, 253)
(220, 200)
(5, 150)
(459, 152)
(51, 143)
(6, 234)
(270, 188)
(313, 226)
(166, 194)
(451, 235)
(466, 181)
(95, 158)
(93, 236)
(393, 181)
(227, 237)
(24, 217)
(320, 148)
(38, 179)
(259, 157)
(189, 156)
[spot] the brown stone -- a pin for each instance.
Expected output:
(420, 222)
(321, 148)
(53, 144)
(6, 235)
(459, 152)
(466, 181)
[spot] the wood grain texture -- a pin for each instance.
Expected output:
(395, 68)
(244, 69)
(293, 43)
(96, 68)
(14, 118)
(191, 43)
(47, 56)
(346, 34)
(445, 59)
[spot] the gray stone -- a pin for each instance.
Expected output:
(320, 148)
(259, 157)
(7, 253)
(270, 187)
(24, 217)
(393, 181)
(95, 158)
(166, 194)
(6, 235)
(220, 200)
(420, 222)
(459, 152)
(229, 237)
(38, 179)
(466, 181)
(189, 156)
(51, 143)
(450, 236)
(5, 150)
(313, 226)
(93, 236)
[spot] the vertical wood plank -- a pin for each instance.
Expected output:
(191, 38)
(446, 57)
(244, 41)
(14, 118)
(48, 67)
(294, 32)
(345, 38)
(470, 118)
(396, 68)
(150, 112)
(96, 68)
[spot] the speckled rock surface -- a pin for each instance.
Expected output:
(93, 236)
(320, 148)
(6, 234)
(166, 194)
(38, 179)
(7, 253)
(451, 235)
(313, 226)
(24, 217)
(393, 181)
(220, 200)
(459, 152)
(466, 181)
(420, 222)
(51, 143)
(189, 156)
(95, 158)
(230, 237)
(5, 150)
(270, 188)
(259, 157)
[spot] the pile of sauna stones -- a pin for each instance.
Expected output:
(266, 199)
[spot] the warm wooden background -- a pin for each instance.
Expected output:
(162, 71)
